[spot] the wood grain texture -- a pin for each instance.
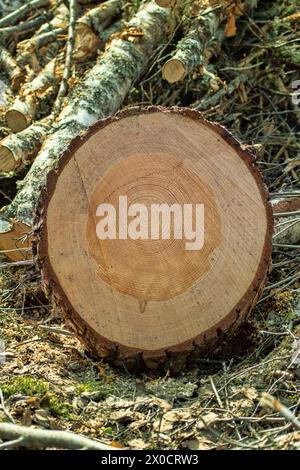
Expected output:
(148, 302)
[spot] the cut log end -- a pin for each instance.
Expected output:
(16, 120)
(7, 160)
(142, 299)
(17, 80)
(173, 71)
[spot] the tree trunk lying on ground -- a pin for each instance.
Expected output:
(99, 94)
(148, 298)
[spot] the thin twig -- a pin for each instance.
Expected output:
(4, 409)
(68, 59)
(40, 438)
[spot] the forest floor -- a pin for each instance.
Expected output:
(49, 380)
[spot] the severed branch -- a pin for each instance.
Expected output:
(91, 25)
(98, 18)
(190, 50)
(22, 436)
(18, 14)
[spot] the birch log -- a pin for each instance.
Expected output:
(11, 68)
(23, 110)
(98, 18)
(287, 226)
(21, 148)
(191, 49)
(99, 94)
(90, 26)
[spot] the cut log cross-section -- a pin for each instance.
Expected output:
(137, 297)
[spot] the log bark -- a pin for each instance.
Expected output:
(99, 94)
(145, 301)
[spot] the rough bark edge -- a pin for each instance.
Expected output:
(174, 357)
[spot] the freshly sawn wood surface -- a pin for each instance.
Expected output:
(145, 302)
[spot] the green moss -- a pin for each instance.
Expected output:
(59, 408)
(25, 385)
(100, 389)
